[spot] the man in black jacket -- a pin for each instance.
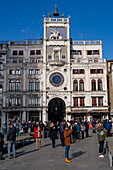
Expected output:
(1, 145)
(11, 138)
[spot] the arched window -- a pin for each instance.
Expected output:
(31, 85)
(81, 85)
(37, 85)
(17, 85)
(11, 85)
(0, 91)
(75, 85)
(93, 85)
(99, 84)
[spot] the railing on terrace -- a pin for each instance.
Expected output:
(56, 19)
(79, 60)
(25, 42)
(19, 60)
(94, 42)
(21, 42)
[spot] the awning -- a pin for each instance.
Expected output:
(85, 111)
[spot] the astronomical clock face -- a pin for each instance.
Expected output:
(56, 79)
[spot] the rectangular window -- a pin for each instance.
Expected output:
(11, 72)
(15, 52)
(75, 102)
(38, 52)
(89, 52)
(32, 52)
(14, 61)
(94, 103)
(73, 52)
(31, 101)
(100, 71)
(79, 52)
(81, 71)
(11, 101)
(37, 101)
(100, 101)
(96, 52)
(93, 71)
(31, 71)
(21, 52)
(18, 71)
(17, 101)
(37, 71)
(75, 71)
(21, 61)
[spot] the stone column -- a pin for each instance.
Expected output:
(40, 115)
(3, 118)
(44, 115)
(24, 116)
(27, 115)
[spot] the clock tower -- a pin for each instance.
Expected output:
(56, 64)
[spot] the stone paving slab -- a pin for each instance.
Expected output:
(84, 156)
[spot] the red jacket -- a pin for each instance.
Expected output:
(38, 134)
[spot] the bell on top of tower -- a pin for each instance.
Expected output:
(56, 11)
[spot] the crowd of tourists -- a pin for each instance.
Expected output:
(67, 131)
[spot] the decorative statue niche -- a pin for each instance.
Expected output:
(56, 55)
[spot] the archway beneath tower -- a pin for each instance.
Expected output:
(56, 110)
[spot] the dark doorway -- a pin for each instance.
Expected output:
(56, 110)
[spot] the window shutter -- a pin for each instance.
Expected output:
(98, 52)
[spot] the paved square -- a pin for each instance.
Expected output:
(84, 156)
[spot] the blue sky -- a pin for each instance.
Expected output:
(22, 19)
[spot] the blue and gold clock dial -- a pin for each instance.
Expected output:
(56, 79)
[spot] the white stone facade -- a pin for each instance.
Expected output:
(37, 72)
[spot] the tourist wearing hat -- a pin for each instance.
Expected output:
(38, 135)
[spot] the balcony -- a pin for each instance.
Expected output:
(34, 105)
(57, 63)
(56, 19)
(96, 42)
